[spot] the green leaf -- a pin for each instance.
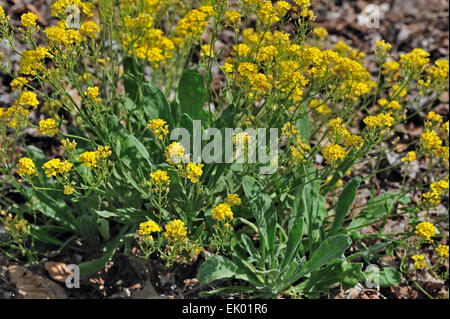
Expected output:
(192, 94)
(89, 231)
(108, 252)
(304, 127)
(330, 249)
(343, 205)
(218, 267)
(389, 276)
(294, 243)
(53, 207)
(264, 212)
(377, 207)
(348, 274)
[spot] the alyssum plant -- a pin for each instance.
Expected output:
(110, 81)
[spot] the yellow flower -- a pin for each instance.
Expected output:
(299, 149)
(434, 119)
(194, 171)
(419, 261)
(148, 227)
(158, 127)
(394, 105)
(159, 178)
(337, 128)
(175, 231)
(68, 190)
(319, 106)
(26, 167)
(103, 152)
(221, 212)
(415, 59)
(18, 82)
(2, 14)
(410, 157)
(289, 130)
(68, 145)
(354, 141)
(233, 199)
(56, 166)
(232, 17)
(320, 32)
(89, 29)
(380, 121)
(442, 250)
(382, 47)
(28, 20)
(31, 61)
(28, 98)
(88, 158)
(333, 153)
(92, 93)
(207, 51)
(174, 153)
(426, 230)
(430, 141)
(48, 127)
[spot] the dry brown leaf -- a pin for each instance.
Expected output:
(57, 270)
(31, 286)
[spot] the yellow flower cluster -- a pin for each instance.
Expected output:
(26, 166)
(18, 82)
(193, 172)
(56, 166)
(93, 94)
(89, 29)
(419, 261)
(67, 145)
(299, 149)
(160, 179)
(416, 59)
(17, 227)
(28, 20)
(442, 250)
(31, 61)
(150, 45)
(147, 228)
(48, 127)
(158, 127)
(194, 22)
(103, 152)
(333, 153)
(434, 197)
(319, 106)
(28, 98)
(60, 7)
(174, 153)
(221, 212)
(320, 32)
(381, 47)
(433, 119)
(289, 130)
(61, 35)
(410, 157)
(175, 231)
(380, 121)
(88, 158)
(14, 116)
(425, 230)
(232, 17)
(233, 199)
